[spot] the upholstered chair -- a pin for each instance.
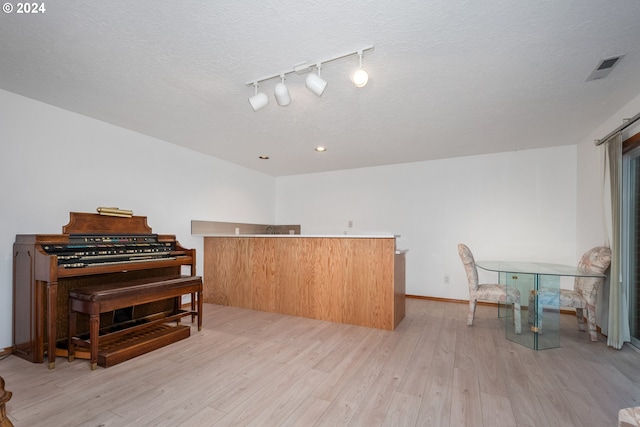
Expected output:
(584, 295)
(488, 291)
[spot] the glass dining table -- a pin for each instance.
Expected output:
(529, 278)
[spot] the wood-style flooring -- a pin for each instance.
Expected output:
(249, 368)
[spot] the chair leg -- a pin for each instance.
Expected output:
(516, 318)
(591, 319)
(472, 311)
(581, 320)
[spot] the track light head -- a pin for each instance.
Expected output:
(315, 83)
(281, 92)
(360, 77)
(259, 100)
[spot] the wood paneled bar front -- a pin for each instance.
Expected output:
(352, 279)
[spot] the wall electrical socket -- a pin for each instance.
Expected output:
(447, 279)
(350, 223)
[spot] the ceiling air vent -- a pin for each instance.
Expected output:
(604, 68)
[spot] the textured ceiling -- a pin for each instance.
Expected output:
(447, 78)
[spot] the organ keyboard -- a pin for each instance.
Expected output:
(92, 250)
(87, 250)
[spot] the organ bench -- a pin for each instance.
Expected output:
(124, 344)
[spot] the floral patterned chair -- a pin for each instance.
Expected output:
(489, 291)
(629, 417)
(584, 295)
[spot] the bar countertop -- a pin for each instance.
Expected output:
(325, 236)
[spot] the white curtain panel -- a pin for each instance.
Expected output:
(618, 325)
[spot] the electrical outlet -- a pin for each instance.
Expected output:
(350, 223)
(447, 279)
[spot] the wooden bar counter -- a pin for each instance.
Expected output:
(352, 279)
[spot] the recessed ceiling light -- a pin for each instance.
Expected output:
(321, 149)
(263, 157)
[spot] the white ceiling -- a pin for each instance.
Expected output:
(447, 78)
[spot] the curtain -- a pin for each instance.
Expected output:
(618, 322)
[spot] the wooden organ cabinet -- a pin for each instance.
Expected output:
(98, 252)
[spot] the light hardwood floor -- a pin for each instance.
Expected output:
(261, 369)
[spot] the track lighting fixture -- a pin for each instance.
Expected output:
(259, 100)
(314, 82)
(281, 92)
(360, 77)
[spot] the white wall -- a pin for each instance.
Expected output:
(53, 162)
(515, 205)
